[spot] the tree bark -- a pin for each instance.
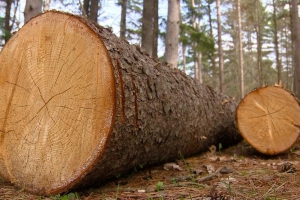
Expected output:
(259, 35)
(211, 55)
(155, 28)
(32, 9)
(296, 46)
(123, 19)
(240, 50)
(94, 10)
(220, 47)
(278, 63)
(86, 7)
(79, 106)
(147, 26)
(171, 52)
(269, 119)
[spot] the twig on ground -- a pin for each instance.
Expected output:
(210, 176)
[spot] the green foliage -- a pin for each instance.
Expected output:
(159, 186)
(220, 147)
(70, 196)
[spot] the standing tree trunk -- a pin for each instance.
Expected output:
(240, 50)
(155, 28)
(86, 106)
(220, 47)
(86, 7)
(94, 10)
(278, 63)
(7, 26)
(211, 55)
(147, 26)
(197, 62)
(123, 19)
(259, 35)
(183, 58)
(171, 52)
(32, 9)
(296, 46)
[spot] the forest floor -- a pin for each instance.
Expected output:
(238, 172)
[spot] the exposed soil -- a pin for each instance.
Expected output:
(238, 172)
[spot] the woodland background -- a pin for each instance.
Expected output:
(232, 45)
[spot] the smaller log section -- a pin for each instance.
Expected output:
(79, 105)
(268, 118)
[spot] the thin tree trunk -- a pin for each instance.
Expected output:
(196, 56)
(199, 54)
(123, 19)
(259, 44)
(200, 71)
(278, 63)
(88, 106)
(86, 6)
(155, 28)
(171, 52)
(32, 9)
(7, 26)
(220, 48)
(296, 46)
(287, 55)
(196, 67)
(94, 10)
(240, 50)
(183, 58)
(211, 55)
(147, 26)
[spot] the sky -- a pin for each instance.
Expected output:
(109, 15)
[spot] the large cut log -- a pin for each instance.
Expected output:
(79, 106)
(269, 119)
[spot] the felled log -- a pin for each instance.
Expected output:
(268, 118)
(80, 106)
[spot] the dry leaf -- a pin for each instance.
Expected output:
(172, 166)
(210, 168)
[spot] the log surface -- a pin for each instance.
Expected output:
(269, 119)
(92, 106)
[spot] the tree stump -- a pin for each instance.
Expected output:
(79, 105)
(269, 119)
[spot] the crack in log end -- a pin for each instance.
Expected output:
(121, 88)
(2, 134)
(135, 102)
(298, 126)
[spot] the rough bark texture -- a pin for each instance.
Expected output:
(158, 112)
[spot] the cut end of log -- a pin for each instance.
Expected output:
(269, 119)
(57, 103)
